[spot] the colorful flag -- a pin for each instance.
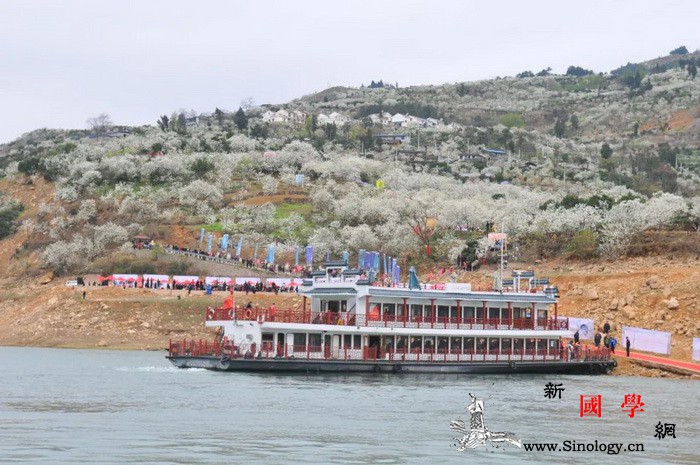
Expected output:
(309, 254)
(239, 247)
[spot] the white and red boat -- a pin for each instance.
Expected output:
(348, 325)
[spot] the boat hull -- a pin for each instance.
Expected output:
(381, 366)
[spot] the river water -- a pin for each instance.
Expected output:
(60, 406)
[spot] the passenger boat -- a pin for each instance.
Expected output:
(348, 324)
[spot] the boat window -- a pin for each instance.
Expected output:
(416, 342)
(442, 343)
(314, 341)
(542, 314)
(357, 343)
(479, 313)
(453, 312)
(300, 339)
(480, 343)
(428, 344)
(416, 310)
(389, 310)
(529, 344)
(443, 311)
(493, 345)
(456, 344)
(347, 341)
(494, 312)
(388, 343)
(504, 314)
(469, 345)
(469, 312)
(505, 345)
(401, 342)
(517, 346)
(542, 346)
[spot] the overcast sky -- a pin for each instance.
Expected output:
(64, 61)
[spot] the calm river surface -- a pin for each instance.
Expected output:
(97, 407)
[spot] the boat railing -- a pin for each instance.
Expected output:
(387, 320)
(192, 348)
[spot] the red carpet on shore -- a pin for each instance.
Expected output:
(662, 361)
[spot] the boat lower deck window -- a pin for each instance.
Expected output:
(314, 342)
(506, 345)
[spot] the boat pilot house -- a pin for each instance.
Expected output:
(346, 323)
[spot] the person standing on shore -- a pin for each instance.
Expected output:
(627, 345)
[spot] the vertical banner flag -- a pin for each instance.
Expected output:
(271, 253)
(393, 264)
(309, 254)
(239, 247)
(376, 260)
(396, 274)
(209, 241)
(346, 256)
(296, 255)
(361, 258)
(384, 261)
(201, 235)
(328, 255)
(224, 242)
(255, 253)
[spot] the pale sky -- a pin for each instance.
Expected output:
(62, 62)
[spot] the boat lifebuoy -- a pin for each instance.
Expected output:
(398, 368)
(248, 314)
(210, 313)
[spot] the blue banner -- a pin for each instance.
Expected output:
(361, 258)
(396, 273)
(296, 255)
(201, 235)
(224, 242)
(209, 241)
(328, 255)
(271, 253)
(346, 256)
(309, 254)
(376, 261)
(239, 247)
(386, 270)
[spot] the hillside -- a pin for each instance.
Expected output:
(587, 171)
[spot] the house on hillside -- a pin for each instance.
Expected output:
(433, 123)
(399, 120)
(338, 119)
(284, 116)
(471, 156)
(413, 122)
(393, 138)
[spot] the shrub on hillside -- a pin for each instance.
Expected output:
(9, 212)
(583, 245)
